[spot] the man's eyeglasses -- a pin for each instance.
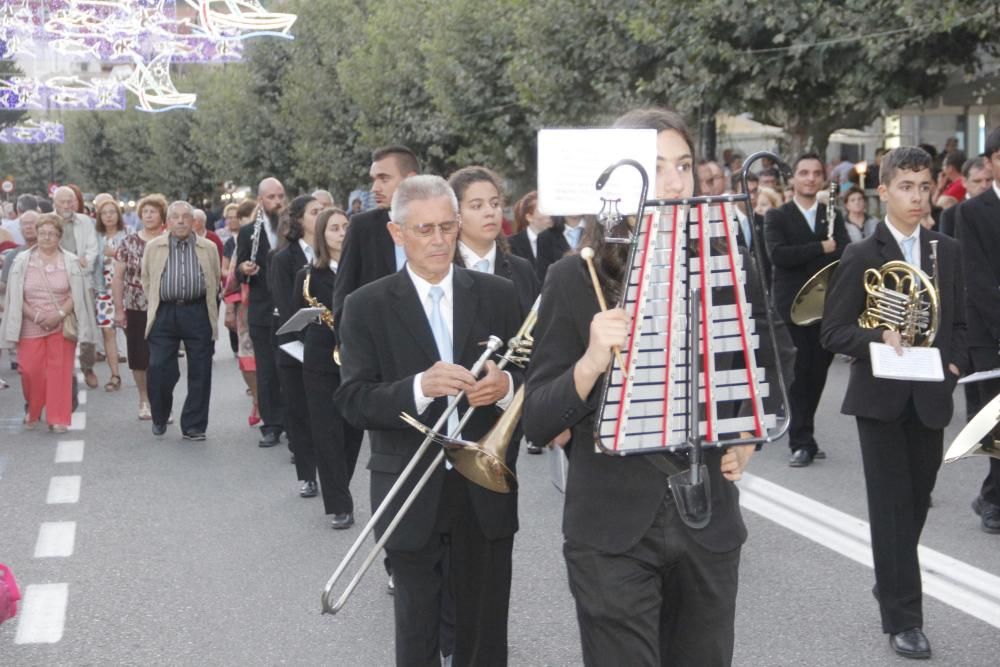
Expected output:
(427, 229)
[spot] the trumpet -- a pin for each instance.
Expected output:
(481, 463)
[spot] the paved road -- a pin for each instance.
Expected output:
(203, 553)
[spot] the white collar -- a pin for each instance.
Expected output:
(306, 249)
(898, 235)
(807, 211)
(532, 234)
(996, 187)
(334, 265)
(423, 287)
(470, 256)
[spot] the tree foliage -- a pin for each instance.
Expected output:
(463, 82)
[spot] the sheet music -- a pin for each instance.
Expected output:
(300, 320)
(570, 161)
(981, 376)
(918, 364)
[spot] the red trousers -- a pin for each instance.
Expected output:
(46, 366)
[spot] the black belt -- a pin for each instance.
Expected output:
(186, 302)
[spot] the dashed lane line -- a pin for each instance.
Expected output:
(69, 451)
(954, 582)
(56, 539)
(63, 489)
(42, 614)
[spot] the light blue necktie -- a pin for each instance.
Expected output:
(400, 256)
(574, 237)
(443, 341)
(747, 234)
(907, 245)
(482, 265)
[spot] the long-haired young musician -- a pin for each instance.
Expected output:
(649, 590)
(900, 422)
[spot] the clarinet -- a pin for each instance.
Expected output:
(831, 211)
(258, 225)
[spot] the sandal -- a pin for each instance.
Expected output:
(145, 413)
(114, 384)
(58, 428)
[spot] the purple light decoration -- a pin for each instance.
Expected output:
(66, 93)
(34, 132)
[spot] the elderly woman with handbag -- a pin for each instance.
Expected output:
(46, 289)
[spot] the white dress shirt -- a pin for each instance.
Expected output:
(272, 234)
(745, 227)
(809, 213)
(447, 307)
(533, 240)
(471, 257)
(307, 249)
(898, 235)
(996, 187)
(568, 233)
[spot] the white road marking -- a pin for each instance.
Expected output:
(69, 451)
(43, 614)
(56, 539)
(80, 378)
(958, 584)
(79, 421)
(64, 489)
(81, 397)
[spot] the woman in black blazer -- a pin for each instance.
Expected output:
(481, 243)
(649, 589)
(336, 442)
(529, 222)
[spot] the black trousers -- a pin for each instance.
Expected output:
(476, 571)
(175, 323)
(269, 400)
(336, 442)
(984, 359)
(665, 601)
(901, 460)
(297, 424)
(812, 362)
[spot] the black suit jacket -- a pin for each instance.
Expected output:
(946, 224)
(318, 339)
(977, 223)
(758, 245)
(796, 252)
(885, 400)
(284, 264)
(367, 255)
(519, 272)
(385, 341)
(552, 246)
(520, 245)
(261, 308)
(611, 501)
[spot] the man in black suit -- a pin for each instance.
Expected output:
(407, 342)
(978, 177)
(978, 226)
(253, 269)
(369, 252)
(562, 237)
(900, 423)
(799, 244)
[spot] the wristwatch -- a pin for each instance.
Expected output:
(62, 313)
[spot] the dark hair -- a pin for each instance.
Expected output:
(808, 156)
(26, 202)
(406, 160)
(460, 181)
(322, 259)
(955, 160)
(992, 142)
(245, 208)
(611, 258)
(771, 172)
(853, 190)
(973, 163)
(736, 180)
(290, 226)
(929, 149)
(44, 206)
(524, 207)
(909, 158)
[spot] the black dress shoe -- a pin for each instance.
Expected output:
(159, 429)
(308, 490)
(390, 588)
(911, 643)
(989, 515)
(194, 435)
(819, 455)
(341, 521)
(269, 439)
(534, 449)
(800, 458)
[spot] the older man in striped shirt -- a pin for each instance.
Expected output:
(180, 275)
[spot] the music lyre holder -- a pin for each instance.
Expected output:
(695, 441)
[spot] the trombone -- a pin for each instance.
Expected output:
(476, 462)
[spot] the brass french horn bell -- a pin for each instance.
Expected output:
(807, 308)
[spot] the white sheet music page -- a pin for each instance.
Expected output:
(570, 161)
(917, 364)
